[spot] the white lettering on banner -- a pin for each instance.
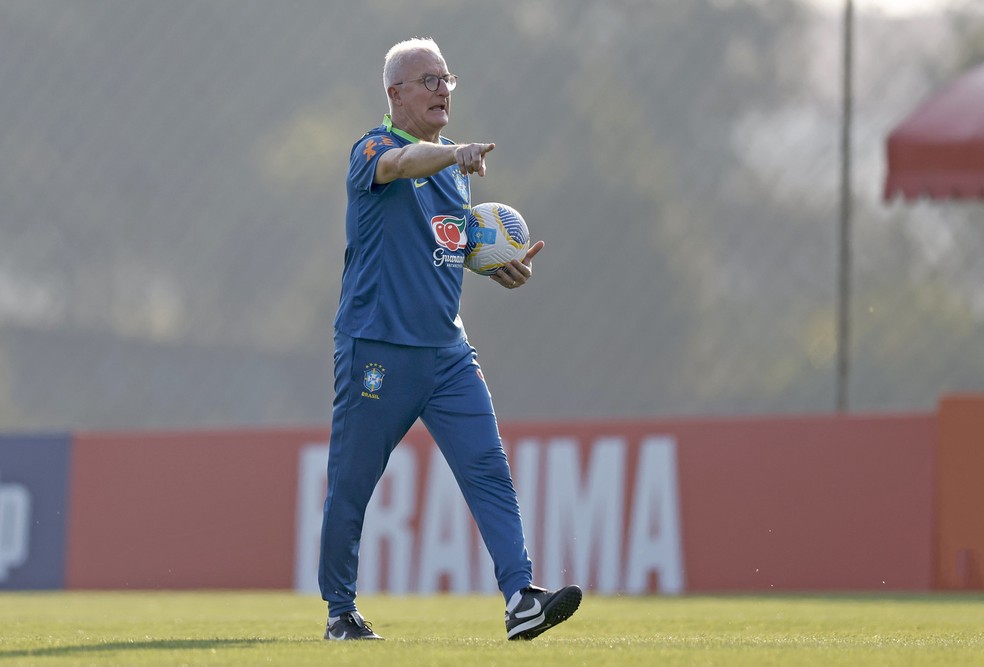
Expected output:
(483, 578)
(525, 467)
(654, 527)
(581, 524)
(387, 522)
(387, 528)
(582, 535)
(312, 483)
(15, 527)
(445, 532)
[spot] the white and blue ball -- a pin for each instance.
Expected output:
(497, 234)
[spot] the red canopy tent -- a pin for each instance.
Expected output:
(938, 150)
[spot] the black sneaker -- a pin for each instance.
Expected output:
(350, 625)
(534, 610)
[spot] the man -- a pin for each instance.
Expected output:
(401, 352)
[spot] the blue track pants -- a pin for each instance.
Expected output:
(380, 391)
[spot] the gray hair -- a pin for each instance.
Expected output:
(398, 54)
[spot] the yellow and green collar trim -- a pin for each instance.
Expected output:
(388, 124)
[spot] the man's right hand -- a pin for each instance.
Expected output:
(471, 157)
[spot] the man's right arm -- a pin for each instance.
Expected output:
(423, 159)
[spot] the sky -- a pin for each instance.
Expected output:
(887, 7)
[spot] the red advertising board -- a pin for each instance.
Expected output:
(807, 503)
(671, 506)
(959, 498)
(194, 509)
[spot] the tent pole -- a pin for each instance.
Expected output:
(844, 255)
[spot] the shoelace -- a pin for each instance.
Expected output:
(362, 623)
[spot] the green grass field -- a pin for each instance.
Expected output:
(248, 628)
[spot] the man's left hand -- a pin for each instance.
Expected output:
(516, 273)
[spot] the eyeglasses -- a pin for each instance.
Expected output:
(432, 81)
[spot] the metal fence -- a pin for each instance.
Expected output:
(172, 185)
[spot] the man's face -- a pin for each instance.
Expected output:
(423, 111)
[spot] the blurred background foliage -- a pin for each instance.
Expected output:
(172, 227)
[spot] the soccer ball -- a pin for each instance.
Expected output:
(496, 234)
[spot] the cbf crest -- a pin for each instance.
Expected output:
(461, 182)
(372, 380)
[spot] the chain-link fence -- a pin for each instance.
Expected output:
(172, 226)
